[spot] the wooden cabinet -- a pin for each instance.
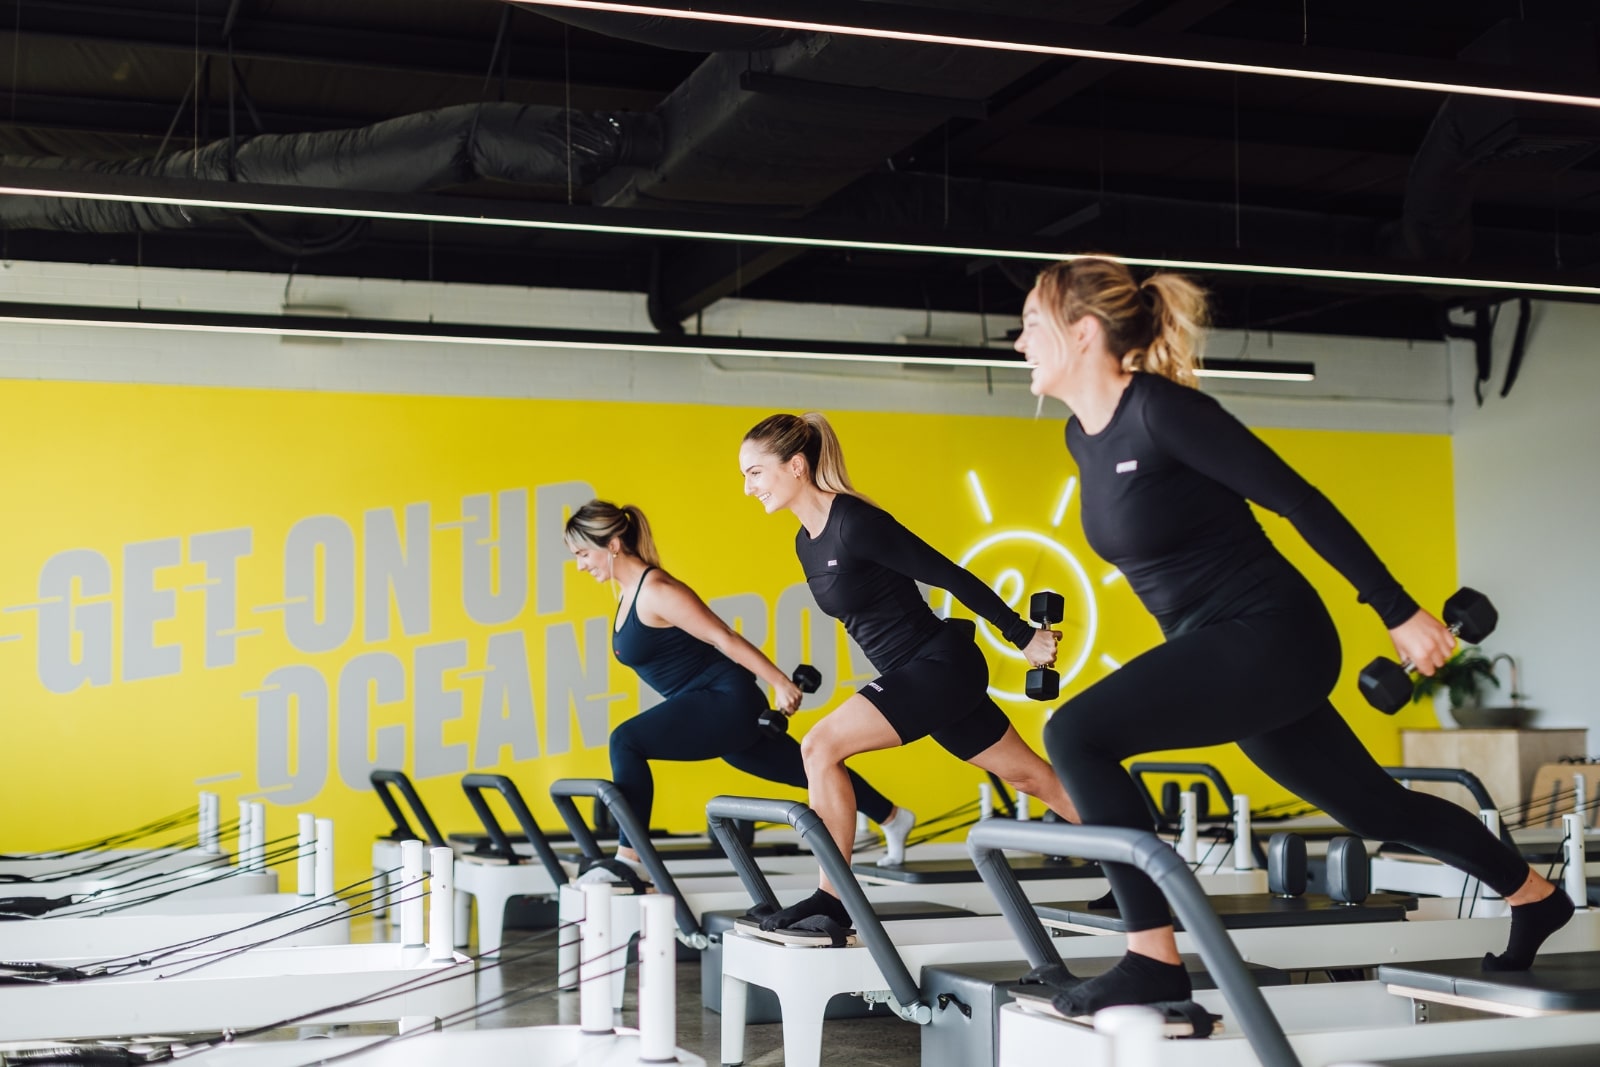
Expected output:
(1504, 759)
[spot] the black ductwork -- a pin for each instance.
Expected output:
(1473, 135)
(415, 153)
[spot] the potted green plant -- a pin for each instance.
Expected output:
(1465, 677)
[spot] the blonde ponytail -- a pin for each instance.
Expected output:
(1153, 327)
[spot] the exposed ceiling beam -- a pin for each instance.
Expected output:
(1027, 107)
(532, 67)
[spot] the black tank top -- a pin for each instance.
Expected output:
(665, 657)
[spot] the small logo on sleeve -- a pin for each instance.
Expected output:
(875, 686)
(833, 563)
(1127, 466)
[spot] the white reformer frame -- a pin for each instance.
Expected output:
(548, 1046)
(1288, 1026)
(261, 987)
(305, 917)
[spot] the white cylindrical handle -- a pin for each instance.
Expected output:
(1188, 827)
(594, 988)
(258, 836)
(324, 864)
(244, 835)
(985, 800)
(658, 952)
(441, 904)
(1577, 880)
(210, 823)
(410, 892)
(1022, 807)
(1490, 819)
(306, 856)
(1580, 797)
(1137, 1034)
(1244, 852)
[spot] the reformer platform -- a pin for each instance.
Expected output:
(948, 871)
(1245, 911)
(1569, 1056)
(1558, 982)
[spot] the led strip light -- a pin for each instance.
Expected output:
(1067, 51)
(332, 329)
(568, 222)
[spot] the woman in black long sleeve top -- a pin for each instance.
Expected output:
(1251, 655)
(862, 566)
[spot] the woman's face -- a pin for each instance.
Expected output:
(1043, 348)
(767, 478)
(595, 562)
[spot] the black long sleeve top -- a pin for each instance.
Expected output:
(1165, 489)
(863, 569)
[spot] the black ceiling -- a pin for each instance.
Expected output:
(932, 142)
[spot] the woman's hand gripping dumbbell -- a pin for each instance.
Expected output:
(1387, 685)
(776, 722)
(1047, 610)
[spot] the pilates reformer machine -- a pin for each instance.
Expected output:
(526, 865)
(919, 968)
(595, 1042)
(199, 984)
(212, 902)
(1421, 1012)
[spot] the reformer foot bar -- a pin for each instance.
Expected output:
(1294, 1026)
(505, 868)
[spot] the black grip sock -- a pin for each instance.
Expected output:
(1530, 925)
(821, 902)
(1135, 979)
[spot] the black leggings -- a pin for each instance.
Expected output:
(1262, 680)
(708, 723)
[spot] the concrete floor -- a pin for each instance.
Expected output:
(529, 966)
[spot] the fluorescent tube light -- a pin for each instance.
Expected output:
(341, 329)
(465, 212)
(1070, 52)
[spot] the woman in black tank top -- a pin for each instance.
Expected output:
(704, 671)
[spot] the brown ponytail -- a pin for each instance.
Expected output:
(809, 435)
(598, 521)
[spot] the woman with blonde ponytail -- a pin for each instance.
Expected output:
(705, 672)
(1166, 479)
(863, 567)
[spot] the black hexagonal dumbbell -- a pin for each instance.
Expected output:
(1046, 609)
(1387, 685)
(775, 722)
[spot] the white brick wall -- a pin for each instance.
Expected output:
(1363, 385)
(1528, 506)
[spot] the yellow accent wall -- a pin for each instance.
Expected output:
(185, 569)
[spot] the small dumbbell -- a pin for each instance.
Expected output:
(775, 722)
(1046, 609)
(1387, 685)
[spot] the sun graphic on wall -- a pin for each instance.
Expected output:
(1019, 560)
